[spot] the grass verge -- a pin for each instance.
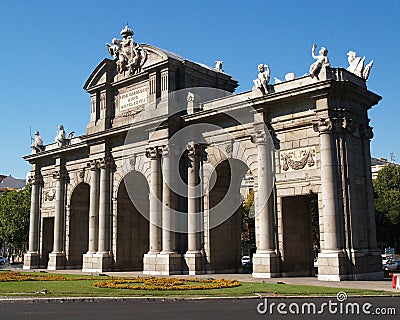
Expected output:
(85, 288)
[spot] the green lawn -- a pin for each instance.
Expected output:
(85, 288)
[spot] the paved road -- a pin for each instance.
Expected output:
(196, 309)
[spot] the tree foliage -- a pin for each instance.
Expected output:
(387, 206)
(14, 216)
(247, 209)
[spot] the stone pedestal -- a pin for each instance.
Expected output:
(332, 266)
(162, 264)
(56, 261)
(195, 263)
(97, 262)
(265, 265)
(31, 260)
(367, 265)
(150, 263)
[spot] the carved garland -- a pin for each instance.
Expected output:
(307, 159)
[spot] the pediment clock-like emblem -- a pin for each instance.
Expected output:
(129, 56)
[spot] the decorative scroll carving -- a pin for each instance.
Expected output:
(292, 160)
(50, 195)
(229, 149)
(82, 173)
(132, 161)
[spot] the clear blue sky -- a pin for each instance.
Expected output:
(49, 49)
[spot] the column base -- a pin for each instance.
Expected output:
(332, 266)
(97, 262)
(56, 261)
(31, 260)
(150, 264)
(164, 263)
(356, 265)
(265, 265)
(194, 263)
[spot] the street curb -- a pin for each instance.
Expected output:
(4, 300)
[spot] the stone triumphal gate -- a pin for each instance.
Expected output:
(125, 196)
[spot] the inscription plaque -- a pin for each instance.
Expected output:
(134, 98)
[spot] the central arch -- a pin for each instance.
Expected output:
(132, 240)
(79, 225)
(223, 238)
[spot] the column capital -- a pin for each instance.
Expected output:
(35, 179)
(93, 164)
(153, 152)
(169, 150)
(366, 132)
(260, 137)
(323, 125)
(195, 149)
(104, 162)
(60, 174)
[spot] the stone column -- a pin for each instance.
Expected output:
(89, 258)
(104, 207)
(374, 259)
(168, 234)
(265, 260)
(367, 136)
(194, 257)
(155, 200)
(93, 207)
(31, 258)
(331, 264)
(170, 261)
(57, 257)
(150, 259)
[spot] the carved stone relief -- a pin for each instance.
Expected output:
(49, 195)
(298, 159)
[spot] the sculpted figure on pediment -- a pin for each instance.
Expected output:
(128, 55)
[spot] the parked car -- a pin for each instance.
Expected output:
(390, 265)
(3, 260)
(246, 261)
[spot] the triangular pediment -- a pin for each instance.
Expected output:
(99, 75)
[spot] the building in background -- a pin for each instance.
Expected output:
(11, 183)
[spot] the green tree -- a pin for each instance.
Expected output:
(248, 230)
(14, 217)
(387, 206)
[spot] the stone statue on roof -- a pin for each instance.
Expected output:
(37, 145)
(60, 136)
(321, 60)
(356, 65)
(263, 77)
(128, 55)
